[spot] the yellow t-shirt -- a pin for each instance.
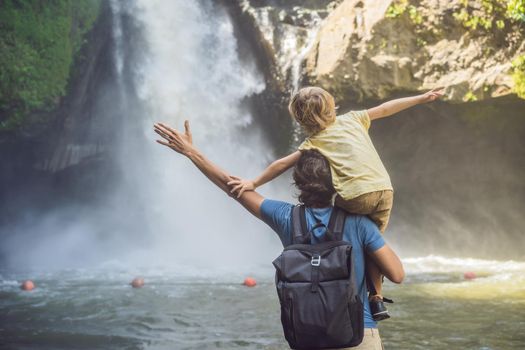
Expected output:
(355, 164)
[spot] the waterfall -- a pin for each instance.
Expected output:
(188, 68)
(117, 36)
(131, 200)
(295, 64)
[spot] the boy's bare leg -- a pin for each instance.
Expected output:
(375, 276)
(381, 217)
(377, 307)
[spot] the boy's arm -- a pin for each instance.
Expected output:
(391, 107)
(271, 172)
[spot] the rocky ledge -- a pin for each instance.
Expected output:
(373, 49)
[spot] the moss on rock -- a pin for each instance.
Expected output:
(518, 76)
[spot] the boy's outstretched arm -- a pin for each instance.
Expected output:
(275, 169)
(391, 107)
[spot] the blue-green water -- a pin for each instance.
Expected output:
(97, 309)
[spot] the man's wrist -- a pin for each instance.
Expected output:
(191, 153)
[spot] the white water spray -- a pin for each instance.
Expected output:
(295, 64)
(191, 70)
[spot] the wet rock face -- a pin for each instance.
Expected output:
(340, 59)
(368, 51)
(288, 30)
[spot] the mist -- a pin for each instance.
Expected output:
(171, 61)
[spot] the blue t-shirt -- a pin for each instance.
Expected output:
(359, 231)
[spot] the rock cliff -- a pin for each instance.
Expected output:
(371, 49)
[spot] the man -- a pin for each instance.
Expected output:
(313, 179)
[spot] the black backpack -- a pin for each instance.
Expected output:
(320, 305)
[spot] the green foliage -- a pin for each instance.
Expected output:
(415, 16)
(401, 7)
(485, 15)
(470, 97)
(516, 10)
(490, 14)
(38, 43)
(421, 42)
(518, 75)
(397, 9)
(473, 17)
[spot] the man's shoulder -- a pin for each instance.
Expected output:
(361, 230)
(274, 203)
(277, 214)
(273, 208)
(355, 218)
(360, 221)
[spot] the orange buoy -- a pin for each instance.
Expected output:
(249, 282)
(27, 285)
(469, 275)
(137, 282)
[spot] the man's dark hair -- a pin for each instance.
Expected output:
(313, 178)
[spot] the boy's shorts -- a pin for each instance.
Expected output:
(376, 205)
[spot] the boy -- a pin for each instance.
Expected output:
(359, 177)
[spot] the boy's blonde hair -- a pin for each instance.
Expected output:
(313, 108)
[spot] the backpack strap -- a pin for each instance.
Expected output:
(300, 235)
(334, 230)
(337, 223)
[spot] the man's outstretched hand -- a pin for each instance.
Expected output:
(176, 140)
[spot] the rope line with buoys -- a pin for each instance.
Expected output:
(137, 282)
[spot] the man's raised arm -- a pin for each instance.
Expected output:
(182, 143)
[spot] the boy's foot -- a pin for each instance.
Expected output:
(378, 308)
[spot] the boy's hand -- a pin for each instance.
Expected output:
(432, 95)
(238, 185)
